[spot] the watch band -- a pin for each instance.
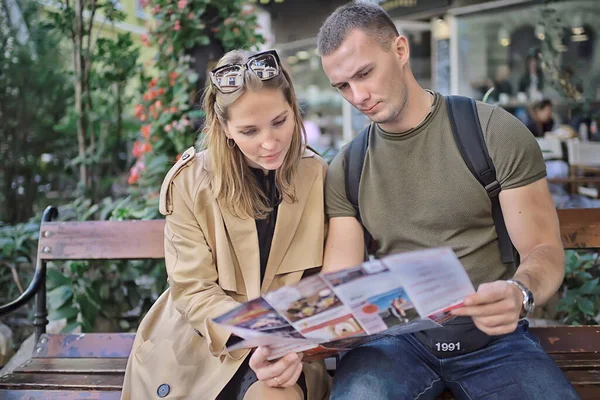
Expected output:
(528, 301)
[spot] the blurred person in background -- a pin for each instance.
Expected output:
(532, 81)
(538, 118)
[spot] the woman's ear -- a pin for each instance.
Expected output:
(225, 129)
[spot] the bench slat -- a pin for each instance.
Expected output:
(584, 377)
(58, 395)
(88, 345)
(75, 365)
(19, 380)
(569, 339)
(102, 240)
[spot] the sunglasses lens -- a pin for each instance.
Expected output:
(265, 66)
(229, 79)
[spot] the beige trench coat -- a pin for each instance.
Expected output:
(212, 261)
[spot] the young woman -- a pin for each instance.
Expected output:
(243, 217)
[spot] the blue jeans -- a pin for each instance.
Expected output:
(399, 367)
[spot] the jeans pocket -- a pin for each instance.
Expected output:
(532, 338)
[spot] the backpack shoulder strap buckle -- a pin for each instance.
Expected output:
(493, 189)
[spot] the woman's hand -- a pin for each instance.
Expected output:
(281, 373)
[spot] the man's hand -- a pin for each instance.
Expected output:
(495, 308)
(281, 373)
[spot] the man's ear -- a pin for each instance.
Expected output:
(401, 49)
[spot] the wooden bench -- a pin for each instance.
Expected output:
(92, 366)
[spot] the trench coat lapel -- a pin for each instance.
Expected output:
(288, 219)
(244, 240)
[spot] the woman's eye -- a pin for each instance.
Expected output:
(248, 132)
(343, 86)
(279, 123)
(364, 74)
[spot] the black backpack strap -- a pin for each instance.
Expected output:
(466, 128)
(355, 160)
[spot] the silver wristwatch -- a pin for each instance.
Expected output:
(528, 301)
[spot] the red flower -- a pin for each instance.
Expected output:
(137, 149)
(145, 131)
(145, 40)
(134, 176)
(172, 76)
(139, 110)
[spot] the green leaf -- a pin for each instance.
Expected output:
(586, 306)
(589, 286)
(104, 291)
(563, 306)
(90, 212)
(57, 297)
(71, 326)
(67, 311)
(583, 276)
(55, 278)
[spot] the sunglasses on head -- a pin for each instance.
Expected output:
(230, 77)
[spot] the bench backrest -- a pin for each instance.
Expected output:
(101, 240)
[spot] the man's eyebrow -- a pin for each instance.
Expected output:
(254, 126)
(359, 71)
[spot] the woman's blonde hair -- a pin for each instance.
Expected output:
(231, 179)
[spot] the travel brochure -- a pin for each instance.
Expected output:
(327, 313)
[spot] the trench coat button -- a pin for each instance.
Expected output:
(163, 390)
(185, 157)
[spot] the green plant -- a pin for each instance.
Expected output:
(580, 304)
(101, 68)
(34, 95)
(18, 245)
(119, 292)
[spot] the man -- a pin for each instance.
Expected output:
(538, 119)
(417, 192)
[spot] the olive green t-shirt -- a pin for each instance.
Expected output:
(416, 191)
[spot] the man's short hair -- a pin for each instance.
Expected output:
(540, 105)
(369, 18)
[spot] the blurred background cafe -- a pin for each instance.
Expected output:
(540, 60)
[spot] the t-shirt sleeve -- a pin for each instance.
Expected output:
(336, 202)
(514, 150)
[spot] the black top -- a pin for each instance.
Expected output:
(266, 227)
